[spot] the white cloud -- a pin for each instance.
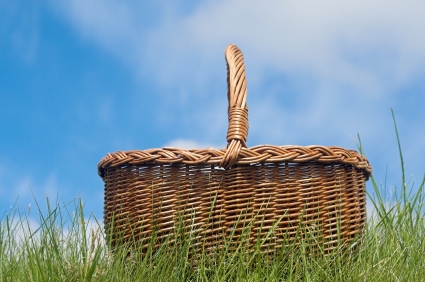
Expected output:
(371, 49)
(111, 23)
(370, 46)
(189, 144)
(344, 64)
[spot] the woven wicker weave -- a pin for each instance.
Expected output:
(280, 187)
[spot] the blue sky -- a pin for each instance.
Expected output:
(79, 79)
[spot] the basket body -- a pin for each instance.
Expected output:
(281, 191)
(327, 199)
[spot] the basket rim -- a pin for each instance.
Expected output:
(256, 154)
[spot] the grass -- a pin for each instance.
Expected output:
(68, 246)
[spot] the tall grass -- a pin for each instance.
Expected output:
(66, 245)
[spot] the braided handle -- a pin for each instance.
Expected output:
(238, 110)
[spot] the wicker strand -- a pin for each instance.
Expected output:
(237, 132)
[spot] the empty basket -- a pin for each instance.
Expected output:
(283, 189)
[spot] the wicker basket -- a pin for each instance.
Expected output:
(321, 189)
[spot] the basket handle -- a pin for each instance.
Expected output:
(237, 132)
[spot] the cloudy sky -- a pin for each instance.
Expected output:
(79, 79)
